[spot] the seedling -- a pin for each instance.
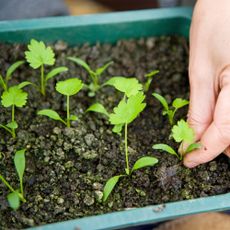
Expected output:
(149, 78)
(183, 134)
(14, 97)
(38, 55)
(68, 88)
(176, 104)
(128, 86)
(95, 75)
(4, 80)
(17, 195)
(126, 111)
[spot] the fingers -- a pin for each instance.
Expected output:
(227, 152)
(216, 137)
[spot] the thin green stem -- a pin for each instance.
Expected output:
(126, 150)
(13, 130)
(6, 183)
(6, 128)
(42, 81)
(68, 113)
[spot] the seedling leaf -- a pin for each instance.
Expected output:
(152, 73)
(14, 96)
(69, 87)
(73, 118)
(118, 128)
(24, 84)
(165, 148)
(109, 186)
(39, 54)
(179, 103)
(126, 112)
(144, 162)
(14, 200)
(12, 68)
(161, 100)
(98, 108)
(100, 70)
(12, 125)
(193, 146)
(51, 114)
(55, 72)
(129, 86)
(182, 132)
(81, 63)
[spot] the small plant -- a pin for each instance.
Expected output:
(68, 88)
(16, 195)
(38, 55)
(149, 78)
(13, 97)
(126, 111)
(181, 133)
(176, 104)
(4, 80)
(95, 75)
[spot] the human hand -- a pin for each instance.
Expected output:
(209, 76)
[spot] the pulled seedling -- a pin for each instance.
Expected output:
(38, 55)
(183, 134)
(68, 88)
(176, 104)
(16, 195)
(95, 75)
(4, 80)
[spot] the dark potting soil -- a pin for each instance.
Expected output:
(66, 168)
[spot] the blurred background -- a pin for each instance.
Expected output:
(20, 9)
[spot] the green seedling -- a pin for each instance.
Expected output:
(17, 195)
(149, 78)
(167, 111)
(183, 134)
(128, 86)
(94, 75)
(38, 55)
(14, 97)
(4, 80)
(125, 113)
(68, 88)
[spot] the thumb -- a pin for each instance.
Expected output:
(216, 137)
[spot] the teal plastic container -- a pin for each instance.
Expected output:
(110, 28)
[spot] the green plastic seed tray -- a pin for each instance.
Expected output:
(110, 28)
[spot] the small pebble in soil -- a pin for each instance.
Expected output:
(88, 200)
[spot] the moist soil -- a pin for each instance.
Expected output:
(66, 168)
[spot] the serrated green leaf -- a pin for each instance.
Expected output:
(12, 125)
(55, 72)
(81, 63)
(109, 186)
(12, 68)
(127, 111)
(162, 100)
(51, 114)
(193, 146)
(98, 108)
(39, 54)
(69, 87)
(14, 200)
(100, 70)
(20, 163)
(117, 129)
(179, 103)
(129, 86)
(144, 162)
(182, 132)
(165, 148)
(152, 73)
(73, 118)
(14, 96)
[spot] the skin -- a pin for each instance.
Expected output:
(209, 76)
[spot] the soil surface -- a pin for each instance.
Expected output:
(66, 168)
